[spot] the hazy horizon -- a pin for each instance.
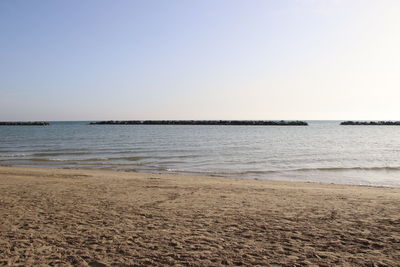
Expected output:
(94, 120)
(210, 60)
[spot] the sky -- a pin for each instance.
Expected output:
(199, 59)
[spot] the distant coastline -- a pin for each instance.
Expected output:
(24, 123)
(376, 123)
(203, 122)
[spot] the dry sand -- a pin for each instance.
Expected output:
(101, 218)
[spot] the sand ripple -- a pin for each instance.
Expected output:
(105, 218)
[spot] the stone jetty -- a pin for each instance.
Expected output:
(379, 123)
(24, 123)
(203, 122)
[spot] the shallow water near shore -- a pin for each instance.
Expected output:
(324, 151)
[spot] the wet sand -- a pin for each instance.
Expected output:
(107, 218)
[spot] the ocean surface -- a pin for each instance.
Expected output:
(324, 151)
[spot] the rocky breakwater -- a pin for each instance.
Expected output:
(379, 123)
(203, 122)
(24, 123)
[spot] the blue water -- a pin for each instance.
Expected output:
(324, 151)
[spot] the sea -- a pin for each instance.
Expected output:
(324, 151)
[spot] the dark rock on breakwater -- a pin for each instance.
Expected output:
(394, 123)
(207, 122)
(24, 123)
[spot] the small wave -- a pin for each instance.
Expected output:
(50, 154)
(42, 159)
(18, 155)
(129, 158)
(113, 151)
(266, 172)
(220, 172)
(103, 159)
(105, 164)
(72, 163)
(111, 159)
(43, 154)
(349, 169)
(177, 157)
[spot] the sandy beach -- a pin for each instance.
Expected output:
(61, 217)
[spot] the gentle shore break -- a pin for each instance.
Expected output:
(62, 217)
(203, 122)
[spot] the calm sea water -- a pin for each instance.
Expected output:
(322, 152)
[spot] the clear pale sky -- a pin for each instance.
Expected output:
(199, 59)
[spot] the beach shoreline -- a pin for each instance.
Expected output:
(87, 217)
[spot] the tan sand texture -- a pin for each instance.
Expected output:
(62, 217)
